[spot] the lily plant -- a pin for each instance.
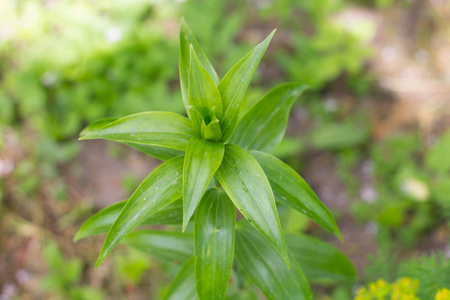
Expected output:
(217, 159)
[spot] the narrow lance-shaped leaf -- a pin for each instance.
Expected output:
(320, 261)
(202, 89)
(159, 152)
(201, 162)
(183, 286)
(244, 181)
(233, 86)
(174, 247)
(214, 244)
(291, 190)
(101, 222)
(96, 125)
(164, 129)
(262, 127)
(265, 268)
(186, 39)
(160, 188)
(162, 153)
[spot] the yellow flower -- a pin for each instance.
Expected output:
(363, 294)
(443, 294)
(405, 289)
(379, 289)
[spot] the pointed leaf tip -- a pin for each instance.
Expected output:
(339, 235)
(186, 39)
(76, 237)
(99, 261)
(234, 84)
(290, 189)
(202, 90)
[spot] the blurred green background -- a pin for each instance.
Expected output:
(371, 136)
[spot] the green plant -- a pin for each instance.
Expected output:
(217, 160)
(63, 278)
(318, 59)
(431, 272)
(403, 289)
(410, 188)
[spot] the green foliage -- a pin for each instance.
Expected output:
(265, 267)
(160, 188)
(100, 222)
(202, 159)
(339, 136)
(63, 87)
(213, 177)
(131, 266)
(214, 249)
(65, 281)
(319, 58)
(234, 84)
(320, 261)
(437, 159)
(263, 126)
(411, 194)
(431, 273)
(291, 190)
(174, 247)
(183, 286)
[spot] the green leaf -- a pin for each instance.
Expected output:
(102, 221)
(320, 261)
(175, 247)
(288, 147)
(160, 188)
(214, 244)
(152, 128)
(186, 39)
(437, 158)
(96, 125)
(202, 89)
(244, 181)
(183, 286)
(201, 162)
(337, 136)
(161, 153)
(291, 190)
(263, 126)
(233, 86)
(265, 268)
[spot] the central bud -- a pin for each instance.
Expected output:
(206, 123)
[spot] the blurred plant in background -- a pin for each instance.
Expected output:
(66, 63)
(407, 194)
(402, 289)
(428, 273)
(63, 282)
